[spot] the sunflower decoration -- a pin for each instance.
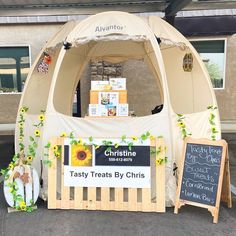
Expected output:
(22, 206)
(57, 151)
(158, 162)
(21, 125)
(29, 158)
(11, 166)
(181, 124)
(55, 148)
(134, 138)
(37, 133)
(23, 110)
(63, 135)
(152, 137)
(81, 155)
(41, 117)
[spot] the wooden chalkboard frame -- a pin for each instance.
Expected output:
(223, 173)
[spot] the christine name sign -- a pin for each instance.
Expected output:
(105, 166)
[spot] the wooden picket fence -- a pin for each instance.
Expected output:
(106, 198)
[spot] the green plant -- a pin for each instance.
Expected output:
(182, 126)
(18, 198)
(157, 153)
(212, 122)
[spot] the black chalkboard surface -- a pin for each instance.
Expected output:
(201, 173)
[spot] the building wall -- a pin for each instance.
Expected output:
(141, 91)
(32, 35)
(8, 108)
(226, 98)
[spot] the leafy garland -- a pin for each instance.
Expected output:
(19, 158)
(182, 126)
(160, 160)
(212, 122)
(57, 149)
(214, 131)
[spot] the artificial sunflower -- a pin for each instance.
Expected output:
(29, 158)
(55, 148)
(57, 154)
(22, 206)
(20, 138)
(158, 162)
(135, 138)
(81, 155)
(181, 124)
(22, 110)
(63, 134)
(37, 133)
(11, 166)
(213, 129)
(41, 117)
(152, 137)
(21, 125)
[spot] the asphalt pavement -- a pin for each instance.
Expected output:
(191, 221)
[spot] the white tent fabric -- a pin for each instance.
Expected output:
(115, 37)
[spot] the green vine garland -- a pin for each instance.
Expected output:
(20, 203)
(211, 119)
(212, 122)
(160, 160)
(182, 126)
(123, 140)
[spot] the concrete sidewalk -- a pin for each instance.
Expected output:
(191, 221)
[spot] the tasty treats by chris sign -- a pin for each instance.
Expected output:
(107, 165)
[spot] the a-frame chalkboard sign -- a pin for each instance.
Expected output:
(204, 166)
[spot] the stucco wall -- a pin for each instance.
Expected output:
(226, 98)
(34, 36)
(8, 108)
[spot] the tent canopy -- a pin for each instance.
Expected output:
(116, 37)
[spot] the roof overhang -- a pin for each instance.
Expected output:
(75, 7)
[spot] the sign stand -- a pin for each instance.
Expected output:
(187, 191)
(226, 196)
(11, 210)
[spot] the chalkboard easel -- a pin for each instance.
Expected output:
(204, 176)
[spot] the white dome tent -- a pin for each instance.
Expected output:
(116, 37)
